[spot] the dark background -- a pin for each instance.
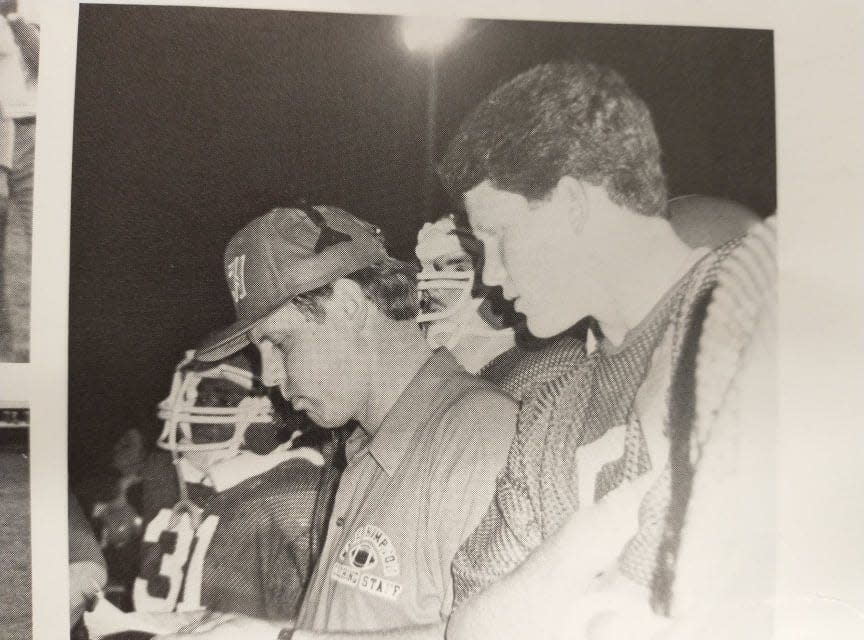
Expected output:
(191, 121)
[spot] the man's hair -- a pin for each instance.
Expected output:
(560, 119)
(391, 284)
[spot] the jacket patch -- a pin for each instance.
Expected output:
(369, 551)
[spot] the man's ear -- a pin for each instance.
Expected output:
(350, 301)
(573, 196)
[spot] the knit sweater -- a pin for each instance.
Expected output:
(539, 488)
(718, 539)
(522, 369)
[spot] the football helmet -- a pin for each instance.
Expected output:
(451, 301)
(209, 410)
(444, 286)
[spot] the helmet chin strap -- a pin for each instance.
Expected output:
(184, 504)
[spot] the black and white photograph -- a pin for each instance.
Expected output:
(421, 327)
(19, 73)
(15, 602)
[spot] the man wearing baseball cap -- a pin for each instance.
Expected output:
(334, 319)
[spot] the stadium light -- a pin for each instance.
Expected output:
(429, 34)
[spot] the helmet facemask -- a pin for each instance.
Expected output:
(447, 278)
(208, 412)
(451, 296)
(443, 293)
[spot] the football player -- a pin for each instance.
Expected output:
(455, 311)
(250, 518)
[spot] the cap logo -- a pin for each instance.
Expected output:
(237, 277)
(327, 235)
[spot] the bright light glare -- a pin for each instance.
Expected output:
(430, 34)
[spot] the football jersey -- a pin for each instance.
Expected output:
(252, 551)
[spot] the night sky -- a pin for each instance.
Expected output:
(190, 121)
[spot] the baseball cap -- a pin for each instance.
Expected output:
(286, 252)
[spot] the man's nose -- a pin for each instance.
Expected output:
(494, 273)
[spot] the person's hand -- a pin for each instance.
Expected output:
(230, 626)
(85, 580)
